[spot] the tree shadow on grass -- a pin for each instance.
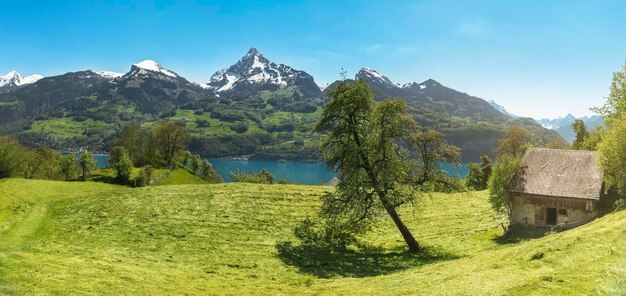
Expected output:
(327, 262)
(519, 234)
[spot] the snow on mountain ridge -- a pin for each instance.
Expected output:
(253, 68)
(153, 66)
(371, 73)
(108, 74)
(16, 79)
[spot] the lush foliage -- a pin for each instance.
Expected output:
(612, 149)
(209, 173)
(479, 175)
(11, 156)
(158, 146)
(67, 167)
(87, 163)
(513, 142)
(506, 169)
(145, 177)
(261, 177)
(121, 163)
(364, 142)
(170, 138)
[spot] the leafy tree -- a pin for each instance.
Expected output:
(615, 104)
(40, 162)
(474, 177)
(171, 138)
(209, 174)
(506, 169)
(130, 138)
(612, 149)
(67, 167)
(115, 155)
(513, 142)
(121, 164)
(186, 158)
(33, 164)
(594, 139)
(87, 163)
(581, 134)
(478, 176)
(432, 149)
(196, 163)
(486, 170)
(11, 156)
(376, 174)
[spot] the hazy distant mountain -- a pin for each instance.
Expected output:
(557, 122)
(13, 81)
(563, 125)
(501, 109)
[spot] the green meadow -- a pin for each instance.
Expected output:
(91, 238)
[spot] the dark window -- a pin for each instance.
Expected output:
(563, 212)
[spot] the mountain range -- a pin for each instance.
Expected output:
(254, 108)
(562, 125)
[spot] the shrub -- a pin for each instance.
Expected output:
(145, 176)
(505, 170)
(240, 127)
(11, 156)
(262, 177)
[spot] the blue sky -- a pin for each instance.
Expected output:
(537, 58)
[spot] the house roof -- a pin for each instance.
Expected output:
(559, 173)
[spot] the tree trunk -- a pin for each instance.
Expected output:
(414, 247)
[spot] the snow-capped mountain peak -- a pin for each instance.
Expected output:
(13, 80)
(557, 122)
(374, 76)
(254, 71)
(152, 66)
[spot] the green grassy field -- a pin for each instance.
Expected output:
(92, 238)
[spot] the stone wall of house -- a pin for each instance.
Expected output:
(525, 208)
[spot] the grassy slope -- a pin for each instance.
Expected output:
(93, 238)
(180, 176)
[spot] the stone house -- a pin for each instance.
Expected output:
(556, 187)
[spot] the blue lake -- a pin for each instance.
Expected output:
(294, 172)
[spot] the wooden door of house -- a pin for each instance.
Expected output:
(540, 215)
(551, 216)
